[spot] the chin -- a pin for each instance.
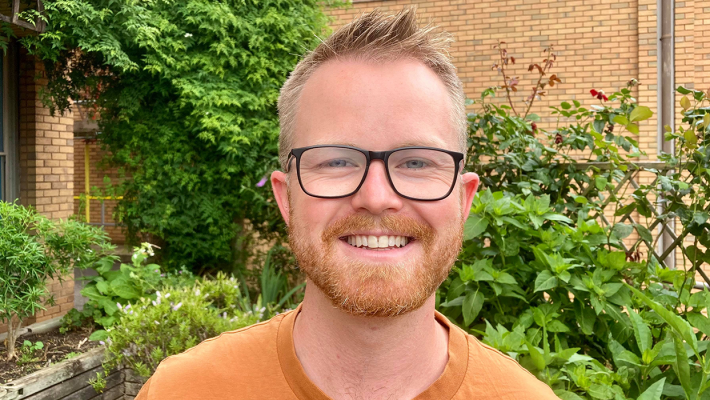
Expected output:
(377, 290)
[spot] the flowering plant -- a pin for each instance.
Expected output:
(175, 320)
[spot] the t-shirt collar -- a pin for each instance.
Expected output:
(445, 387)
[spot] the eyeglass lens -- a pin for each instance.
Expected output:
(423, 174)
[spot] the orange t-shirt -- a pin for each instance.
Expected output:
(259, 362)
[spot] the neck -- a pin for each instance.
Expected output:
(349, 356)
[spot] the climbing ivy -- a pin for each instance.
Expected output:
(185, 92)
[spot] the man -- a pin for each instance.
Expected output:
(373, 132)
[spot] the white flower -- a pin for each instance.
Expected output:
(188, 35)
(158, 294)
(177, 306)
(167, 295)
(156, 322)
(197, 292)
(119, 306)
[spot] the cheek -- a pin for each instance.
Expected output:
(441, 214)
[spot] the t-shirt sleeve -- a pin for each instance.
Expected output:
(144, 392)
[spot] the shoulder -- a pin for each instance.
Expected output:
(253, 341)
(232, 359)
(499, 376)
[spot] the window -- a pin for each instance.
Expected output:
(9, 168)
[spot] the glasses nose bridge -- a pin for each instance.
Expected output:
(377, 155)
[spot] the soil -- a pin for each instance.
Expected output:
(57, 347)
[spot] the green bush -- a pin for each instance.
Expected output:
(185, 93)
(111, 287)
(540, 279)
(177, 319)
(34, 249)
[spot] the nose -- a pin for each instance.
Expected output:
(376, 195)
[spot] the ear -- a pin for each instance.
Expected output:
(279, 184)
(470, 183)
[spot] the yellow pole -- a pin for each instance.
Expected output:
(86, 178)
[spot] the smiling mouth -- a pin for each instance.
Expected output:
(371, 242)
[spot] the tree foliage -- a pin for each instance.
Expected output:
(185, 92)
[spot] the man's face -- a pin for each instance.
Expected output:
(375, 107)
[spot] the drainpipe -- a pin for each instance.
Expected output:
(665, 24)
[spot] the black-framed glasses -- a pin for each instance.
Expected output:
(415, 173)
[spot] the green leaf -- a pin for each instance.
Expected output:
(545, 281)
(474, 226)
(616, 260)
(641, 113)
(98, 335)
(557, 326)
(600, 182)
(654, 391)
(601, 392)
(472, 305)
(622, 231)
(621, 120)
(599, 125)
(566, 395)
(682, 368)
(641, 331)
(685, 103)
(532, 117)
(102, 287)
(125, 290)
(581, 199)
(683, 90)
(644, 233)
(537, 358)
(679, 325)
(565, 105)
(690, 137)
(633, 128)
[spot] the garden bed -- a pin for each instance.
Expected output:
(69, 379)
(56, 347)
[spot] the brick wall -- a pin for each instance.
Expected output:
(46, 169)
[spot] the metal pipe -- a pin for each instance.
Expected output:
(665, 65)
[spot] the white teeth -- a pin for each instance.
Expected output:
(377, 242)
(372, 242)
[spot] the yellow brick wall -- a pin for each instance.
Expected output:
(597, 43)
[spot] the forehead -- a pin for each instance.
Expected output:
(377, 106)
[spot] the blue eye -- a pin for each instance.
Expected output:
(337, 163)
(415, 164)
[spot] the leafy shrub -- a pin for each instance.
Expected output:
(541, 280)
(34, 249)
(185, 94)
(111, 287)
(150, 330)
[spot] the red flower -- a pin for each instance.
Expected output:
(534, 127)
(558, 139)
(599, 95)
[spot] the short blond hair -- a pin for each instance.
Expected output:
(377, 37)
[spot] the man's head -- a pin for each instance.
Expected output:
(379, 83)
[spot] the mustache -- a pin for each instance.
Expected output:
(402, 225)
